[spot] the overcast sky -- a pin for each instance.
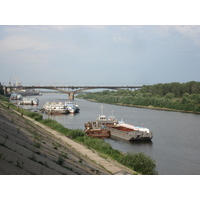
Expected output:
(99, 55)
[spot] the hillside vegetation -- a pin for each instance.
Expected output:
(178, 96)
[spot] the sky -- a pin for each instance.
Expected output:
(99, 54)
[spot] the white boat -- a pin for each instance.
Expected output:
(55, 108)
(71, 107)
(29, 101)
(15, 96)
(35, 101)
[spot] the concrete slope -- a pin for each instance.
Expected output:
(29, 147)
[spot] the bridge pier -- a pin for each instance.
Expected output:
(71, 96)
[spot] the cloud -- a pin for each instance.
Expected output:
(119, 38)
(26, 51)
(192, 32)
(185, 31)
(22, 45)
(13, 43)
(84, 50)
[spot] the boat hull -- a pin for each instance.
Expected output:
(56, 112)
(98, 133)
(29, 93)
(130, 136)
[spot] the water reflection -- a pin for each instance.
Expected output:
(132, 142)
(148, 143)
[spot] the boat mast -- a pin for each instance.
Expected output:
(102, 109)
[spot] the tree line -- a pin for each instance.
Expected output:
(178, 96)
(178, 89)
(1, 89)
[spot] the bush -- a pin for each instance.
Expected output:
(75, 133)
(140, 163)
(3, 98)
(60, 128)
(55, 125)
(36, 116)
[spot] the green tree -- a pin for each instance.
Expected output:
(1, 89)
(179, 96)
(169, 96)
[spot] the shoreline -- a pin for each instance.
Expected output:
(147, 107)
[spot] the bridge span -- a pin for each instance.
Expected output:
(70, 90)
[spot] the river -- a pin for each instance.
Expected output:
(175, 145)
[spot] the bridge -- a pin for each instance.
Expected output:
(70, 90)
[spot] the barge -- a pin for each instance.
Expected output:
(29, 92)
(117, 129)
(130, 132)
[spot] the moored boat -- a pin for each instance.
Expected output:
(29, 101)
(118, 129)
(126, 131)
(55, 108)
(71, 107)
(92, 130)
(29, 92)
(35, 101)
(15, 96)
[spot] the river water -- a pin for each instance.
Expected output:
(175, 145)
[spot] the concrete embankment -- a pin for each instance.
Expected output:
(29, 147)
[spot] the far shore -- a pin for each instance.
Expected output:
(148, 107)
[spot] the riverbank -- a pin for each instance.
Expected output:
(29, 147)
(148, 107)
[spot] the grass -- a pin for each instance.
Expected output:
(37, 144)
(60, 160)
(3, 98)
(37, 136)
(36, 116)
(61, 129)
(56, 145)
(65, 155)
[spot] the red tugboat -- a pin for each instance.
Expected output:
(96, 129)
(92, 130)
